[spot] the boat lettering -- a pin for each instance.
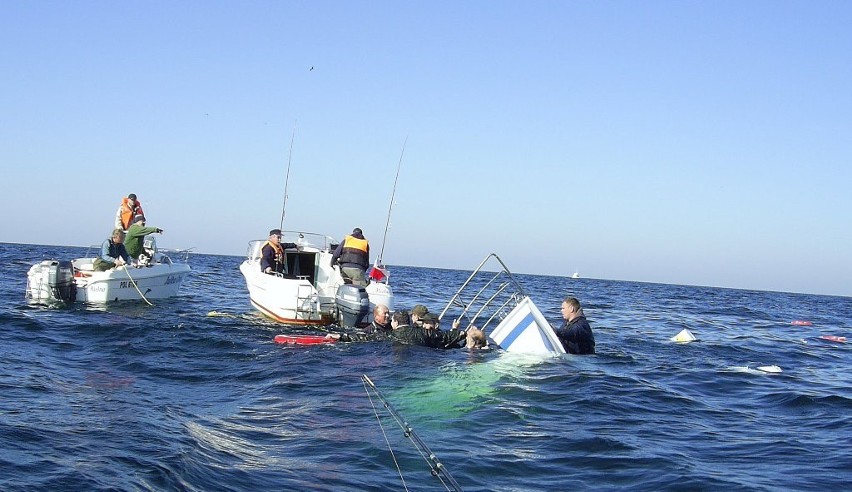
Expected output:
(173, 279)
(99, 288)
(124, 284)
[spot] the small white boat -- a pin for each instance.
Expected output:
(76, 280)
(313, 292)
(576, 274)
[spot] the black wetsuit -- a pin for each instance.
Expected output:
(415, 335)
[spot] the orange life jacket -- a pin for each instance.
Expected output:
(355, 251)
(127, 213)
(279, 254)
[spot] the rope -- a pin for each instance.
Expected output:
(136, 286)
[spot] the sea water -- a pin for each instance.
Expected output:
(193, 394)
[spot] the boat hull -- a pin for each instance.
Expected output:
(158, 281)
(307, 297)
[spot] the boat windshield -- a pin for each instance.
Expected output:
(306, 240)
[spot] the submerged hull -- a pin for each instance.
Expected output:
(525, 330)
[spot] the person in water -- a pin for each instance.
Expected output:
(353, 256)
(475, 337)
(134, 239)
(381, 320)
(417, 313)
(113, 253)
(575, 333)
(130, 207)
(407, 334)
(273, 260)
(428, 321)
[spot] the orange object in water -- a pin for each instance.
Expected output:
(799, 322)
(832, 338)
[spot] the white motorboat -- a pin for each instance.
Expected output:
(576, 274)
(76, 280)
(312, 292)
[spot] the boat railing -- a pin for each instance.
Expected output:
(487, 296)
(305, 240)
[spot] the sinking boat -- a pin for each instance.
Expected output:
(76, 280)
(313, 292)
(496, 302)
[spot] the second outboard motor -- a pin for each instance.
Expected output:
(353, 304)
(52, 280)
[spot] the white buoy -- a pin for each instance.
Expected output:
(685, 336)
(773, 369)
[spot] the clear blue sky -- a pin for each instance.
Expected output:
(682, 142)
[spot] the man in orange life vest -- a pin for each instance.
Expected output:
(273, 260)
(130, 207)
(353, 255)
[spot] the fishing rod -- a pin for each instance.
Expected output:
(435, 466)
(390, 207)
(287, 179)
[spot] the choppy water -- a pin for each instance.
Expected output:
(133, 397)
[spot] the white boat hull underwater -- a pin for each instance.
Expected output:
(76, 280)
(492, 296)
(311, 294)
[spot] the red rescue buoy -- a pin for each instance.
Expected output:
(799, 322)
(304, 339)
(832, 338)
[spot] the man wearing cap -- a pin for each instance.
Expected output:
(430, 321)
(130, 207)
(417, 314)
(134, 240)
(407, 334)
(273, 260)
(113, 253)
(353, 255)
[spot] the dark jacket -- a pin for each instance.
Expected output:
(364, 336)
(377, 328)
(111, 251)
(271, 258)
(353, 252)
(415, 335)
(576, 336)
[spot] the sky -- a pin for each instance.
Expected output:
(681, 142)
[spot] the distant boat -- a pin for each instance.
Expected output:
(576, 274)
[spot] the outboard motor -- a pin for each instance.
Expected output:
(52, 280)
(353, 304)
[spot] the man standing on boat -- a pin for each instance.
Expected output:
(353, 255)
(575, 333)
(113, 253)
(273, 260)
(130, 207)
(134, 241)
